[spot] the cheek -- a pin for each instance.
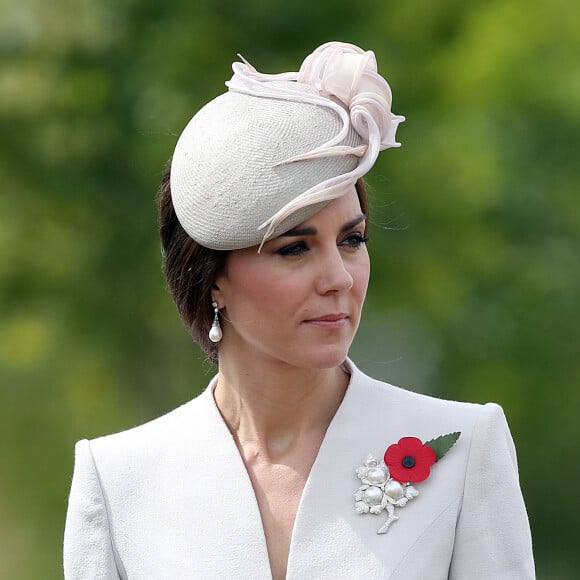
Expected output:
(254, 294)
(360, 275)
(280, 293)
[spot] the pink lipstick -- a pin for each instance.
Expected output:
(329, 321)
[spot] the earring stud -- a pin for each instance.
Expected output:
(215, 332)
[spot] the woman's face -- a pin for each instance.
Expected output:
(299, 301)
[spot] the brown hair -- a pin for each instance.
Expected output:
(190, 269)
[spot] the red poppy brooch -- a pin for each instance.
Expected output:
(388, 484)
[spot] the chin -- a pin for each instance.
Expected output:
(324, 357)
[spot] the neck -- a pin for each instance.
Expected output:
(274, 407)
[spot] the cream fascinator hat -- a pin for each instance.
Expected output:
(273, 150)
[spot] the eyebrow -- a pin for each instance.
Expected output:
(310, 231)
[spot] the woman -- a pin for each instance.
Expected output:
(292, 463)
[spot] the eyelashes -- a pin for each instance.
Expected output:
(293, 249)
(353, 241)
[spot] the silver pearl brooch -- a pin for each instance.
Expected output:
(386, 485)
(380, 492)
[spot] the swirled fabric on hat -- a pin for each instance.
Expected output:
(273, 150)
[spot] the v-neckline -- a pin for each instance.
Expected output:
(296, 527)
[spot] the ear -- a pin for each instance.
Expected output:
(216, 294)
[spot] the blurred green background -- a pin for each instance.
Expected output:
(475, 239)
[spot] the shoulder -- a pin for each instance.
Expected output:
(422, 408)
(385, 413)
(154, 442)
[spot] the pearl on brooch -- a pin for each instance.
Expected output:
(394, 490)
(373, 495)
(376, 475)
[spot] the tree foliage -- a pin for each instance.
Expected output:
(475, 237)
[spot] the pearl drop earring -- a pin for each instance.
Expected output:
(215, 332)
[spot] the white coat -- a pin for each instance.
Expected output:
(171, 499)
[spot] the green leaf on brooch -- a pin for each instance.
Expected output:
(442, 444)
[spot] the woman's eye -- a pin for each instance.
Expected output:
(294, 249)
(354, 240)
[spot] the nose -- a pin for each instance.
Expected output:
(333, 275)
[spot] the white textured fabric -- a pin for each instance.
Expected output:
(271, 152)
(172, 499)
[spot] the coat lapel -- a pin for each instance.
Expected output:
(329, 539)
(232, 511)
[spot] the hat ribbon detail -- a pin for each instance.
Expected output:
(347, 81)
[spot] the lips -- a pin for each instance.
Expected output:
(328, 318)
(330, 321)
